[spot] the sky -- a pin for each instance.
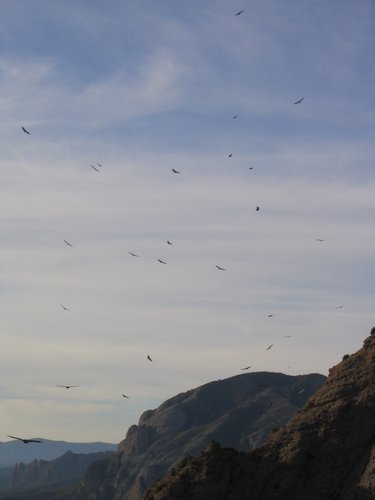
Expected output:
(137, 88)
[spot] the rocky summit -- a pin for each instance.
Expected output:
(239, 412)
(325, 452)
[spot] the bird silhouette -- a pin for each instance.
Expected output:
(340, 307)
(65, 308)
(288, 336)
(234, 116)
(169, 242)
(69, 244)
(67, 386)
(125, 396)
(26, 131)
(319, 239)
(133, 254)
(221, 268)
(148, 357)
(250, 168)
(299, 101)
(94, 168)
(269, 347)
(25, 441)
(175, 171)
(161, 261)
(230, 156)
(270, 316)
(240, 12)
(246, 367)
(99, 164)
(257, 209)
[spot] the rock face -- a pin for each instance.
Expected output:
(238, 412)
(325, 452)
(63, 471)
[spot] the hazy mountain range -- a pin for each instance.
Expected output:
(12, 452)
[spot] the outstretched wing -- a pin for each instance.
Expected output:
(15, 437)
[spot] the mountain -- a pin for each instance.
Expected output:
(239, 412)
(61, 472)
(325, 452)
(12, 452)
(5, 475)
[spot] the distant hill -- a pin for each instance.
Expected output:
(50, 475)
(12, 452)
(325, 452)
(240, 412)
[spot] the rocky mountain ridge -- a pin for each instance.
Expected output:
(239, 412)
(325, 452)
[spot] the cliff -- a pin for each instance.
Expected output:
(325, 452)
(239, 412)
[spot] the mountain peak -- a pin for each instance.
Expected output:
(326, 451)
(239, 411)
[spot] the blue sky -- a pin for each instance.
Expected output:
(143, 87)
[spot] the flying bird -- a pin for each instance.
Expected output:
(161, 261)
(230, 156)
(319, 239)
(250, 168)
(270, 316)
(299, 102)
(246, 367)
(288, 336)
(340, 307)
(65, 308)
(67, 386)
(99, 164)
(125, 396)
(169, 242)
(269, 347)
(133, 254)
(257, 209)
(69, 244)
(234, 116)
(148, 357)
(175, 171)
(94, 168)
(25, 441)
(221, 268)
(26, 131)
(240, 12)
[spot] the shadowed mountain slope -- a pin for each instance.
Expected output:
(239, 412)
(325, 452)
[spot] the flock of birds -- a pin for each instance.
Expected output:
(96, 168)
